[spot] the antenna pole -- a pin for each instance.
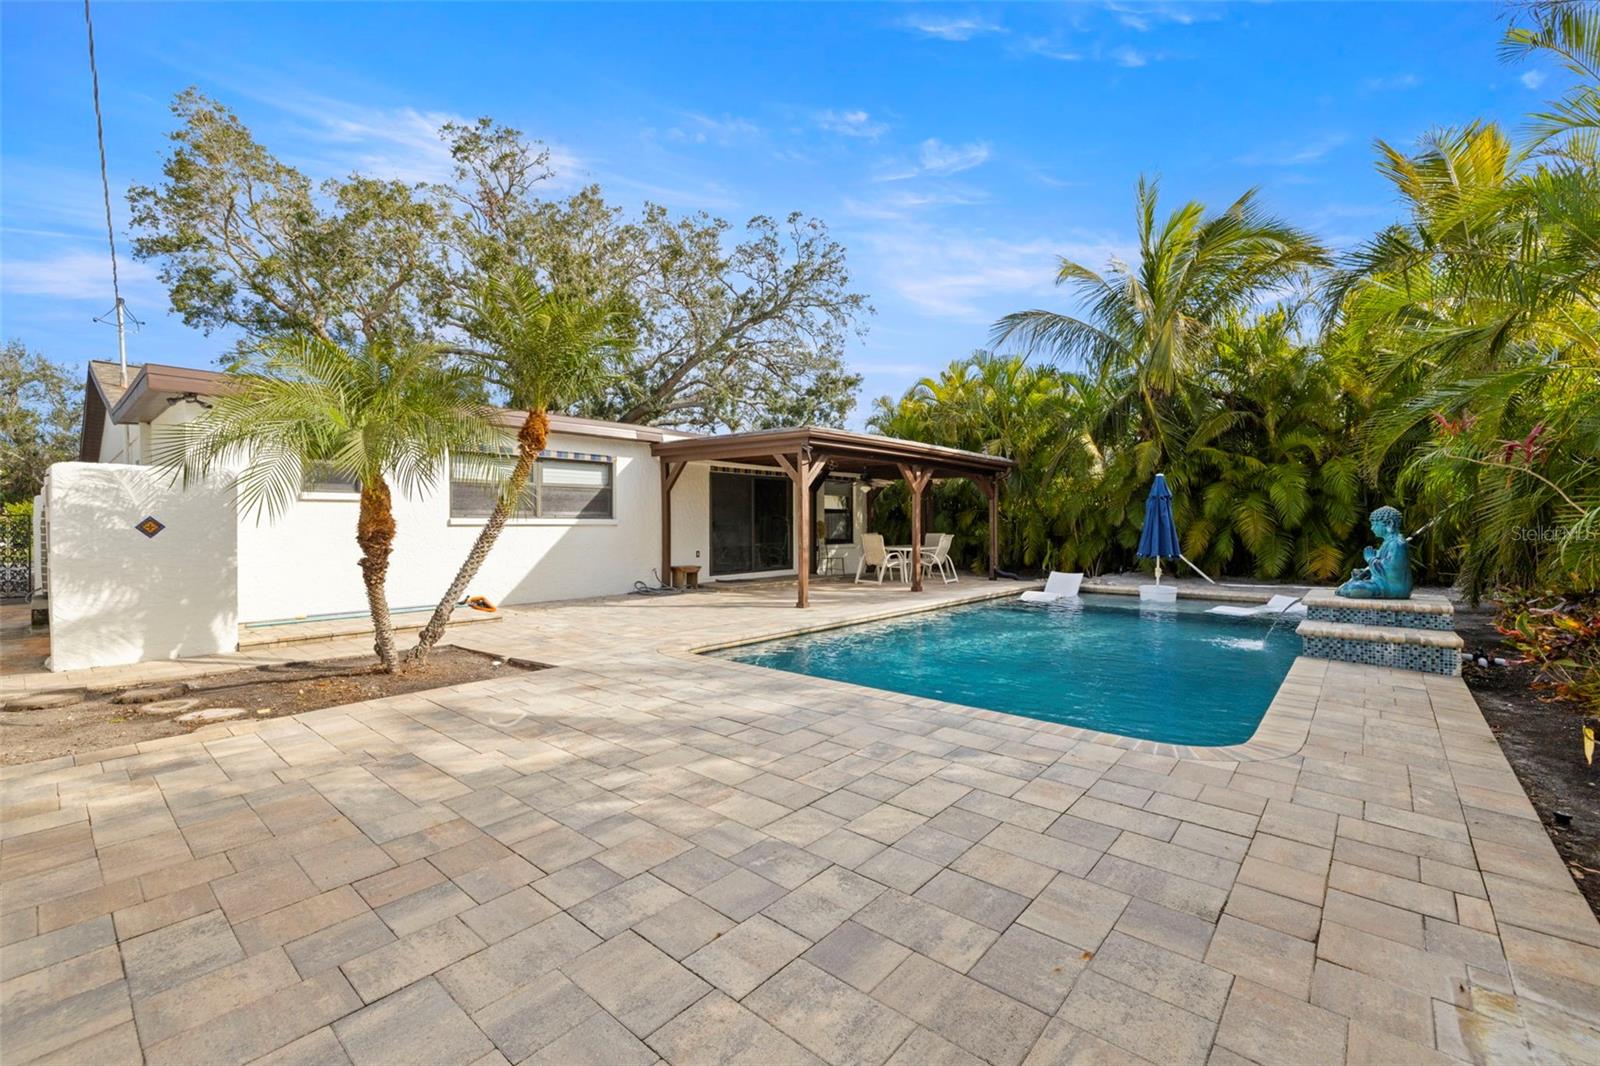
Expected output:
(105, 190)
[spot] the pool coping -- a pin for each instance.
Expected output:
(1284, 728)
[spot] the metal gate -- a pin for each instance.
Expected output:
(16, 556)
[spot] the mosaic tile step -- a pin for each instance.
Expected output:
(1427, 650)
(1420, 612)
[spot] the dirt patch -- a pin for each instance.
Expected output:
(266, 692)
(1544, 744)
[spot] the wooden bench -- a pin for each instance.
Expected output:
(686, 577)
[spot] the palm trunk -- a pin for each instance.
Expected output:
(375, 535)
(530, 442)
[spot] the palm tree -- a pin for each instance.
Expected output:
(1147, 324)
(1481, 314)
(543, 350)
(382, 416)
(1569, 30)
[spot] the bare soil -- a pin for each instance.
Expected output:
(272, 691)
(1543, 741)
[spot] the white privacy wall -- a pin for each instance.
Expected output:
(305, 562)
(117, 596)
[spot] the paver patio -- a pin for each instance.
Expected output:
(646, 855)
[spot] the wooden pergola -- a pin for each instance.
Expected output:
(808, 453)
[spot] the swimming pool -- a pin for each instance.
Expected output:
(1171, 673)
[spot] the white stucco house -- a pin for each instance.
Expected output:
(137, 567)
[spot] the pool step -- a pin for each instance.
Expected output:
(1431, 650)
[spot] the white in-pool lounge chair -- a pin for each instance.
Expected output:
(1276, 605)
(1057, 587)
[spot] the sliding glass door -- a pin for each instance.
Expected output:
(752, 523)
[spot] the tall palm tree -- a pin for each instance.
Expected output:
(543, 350)
(1146, 325)
(1568, 30)
(383, 416)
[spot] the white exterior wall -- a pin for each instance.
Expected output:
(117, 596)
(305, 563)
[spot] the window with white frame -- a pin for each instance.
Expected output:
(323, 479)
(562, 485)
(838, 513)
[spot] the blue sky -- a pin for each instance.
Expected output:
(956, 150)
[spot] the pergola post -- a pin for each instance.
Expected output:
(916, 478)
(670, 472)
(804, 472)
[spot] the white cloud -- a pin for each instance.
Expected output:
(1533, 79)
(976, 277)
(1127, 56)
(951, 27)
(936, 157)
(705, 129)
(851, 124)
(1391, 83)
(1291, 155)
(1141, 17)
(905, 203)
(401, 143)
(82, 274)
(1045, 48)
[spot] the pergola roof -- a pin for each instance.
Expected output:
(863, 453)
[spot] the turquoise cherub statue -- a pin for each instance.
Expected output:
(1387, 575)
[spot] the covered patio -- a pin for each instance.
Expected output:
(807, 454)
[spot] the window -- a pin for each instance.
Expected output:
(560, 486)
(322, 479)
(574, 488)
(838, 512)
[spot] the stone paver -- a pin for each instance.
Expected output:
(644, 854)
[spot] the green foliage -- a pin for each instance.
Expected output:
(41, 414)
(728, 325)
(732, 329)
(541, 349)
(1559, 635)
(1456, 371)
(380, 413)
(246, 241)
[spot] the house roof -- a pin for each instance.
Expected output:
(156, 386)
(864, 453)
(102, 388)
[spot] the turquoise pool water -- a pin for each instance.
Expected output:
(1170, 673)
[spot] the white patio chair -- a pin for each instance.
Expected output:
(1276, 605)
(876, 555)
(936, 555)
(1057, 587)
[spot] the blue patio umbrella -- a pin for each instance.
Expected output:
(1159, 538)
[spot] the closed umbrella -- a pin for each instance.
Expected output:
(1159, 538)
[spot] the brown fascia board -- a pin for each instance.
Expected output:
(94, 420)
(148, 394)
(863, 449)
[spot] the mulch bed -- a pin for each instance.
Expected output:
(267, 692)
(1544, 744)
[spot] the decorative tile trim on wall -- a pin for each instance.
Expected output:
(1428, 660)
(1369, 616)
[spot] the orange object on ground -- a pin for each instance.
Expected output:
(480, 603)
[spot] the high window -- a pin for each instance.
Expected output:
(838, 513)
(561, 486)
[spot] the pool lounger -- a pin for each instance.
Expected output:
(1276, 605)
(1057, 586)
